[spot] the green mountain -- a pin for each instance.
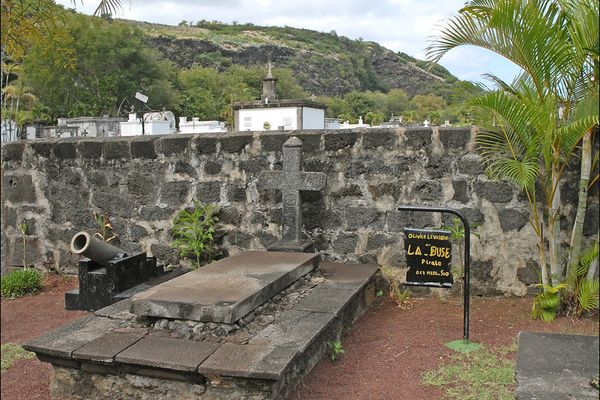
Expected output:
(323, 63)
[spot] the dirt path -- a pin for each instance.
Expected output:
(387, 350)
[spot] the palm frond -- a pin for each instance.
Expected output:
(589, 295)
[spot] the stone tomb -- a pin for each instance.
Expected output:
(226, 290)
(117, 354)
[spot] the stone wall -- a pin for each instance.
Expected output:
(142, 182)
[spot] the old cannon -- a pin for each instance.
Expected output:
(106, 273)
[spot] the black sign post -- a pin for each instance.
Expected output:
(465, 346)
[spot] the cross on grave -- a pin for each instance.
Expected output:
(290, 181)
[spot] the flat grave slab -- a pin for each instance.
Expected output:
(226, 290)
(556, 367)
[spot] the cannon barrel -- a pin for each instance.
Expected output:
(94, 249)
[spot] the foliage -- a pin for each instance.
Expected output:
(12, 352)
(484, 374)
(546, 304)
(21, 282)
(538, 120)
(105, 228)
(110, 63)
(336, 349)
(401, 297)
(193, 231)
(581, 293)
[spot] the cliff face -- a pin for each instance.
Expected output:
(323, 63)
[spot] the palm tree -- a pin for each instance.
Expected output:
(546, 111)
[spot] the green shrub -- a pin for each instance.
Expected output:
(21, 282)
(193, 231)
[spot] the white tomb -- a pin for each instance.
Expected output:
(155, 123)
(197, 126)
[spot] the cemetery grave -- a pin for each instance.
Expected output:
(247, 326)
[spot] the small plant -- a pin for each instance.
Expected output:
(402, 297)
(581, 291)
(267, 126)
(547, 303)
(12, 352)
(194, 230)
(336, 349)
(379, 293)
(21, 282)
(105, 228)
(23, 229)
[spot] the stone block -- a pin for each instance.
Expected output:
(327, 300)
(13, 151)
(185, 168)
(90, 149)
(379, 138)
(438, 166)
(461, 190)
(9, 216)
(512, 219)
(295, 329)
(66, 151)
(209, 192)
(257, 361)
(106, 347)
(345, 243)
(273, 141)
(556, 366)
(318, 165)
(175, 193)
(155, 213)
(229, 215)
(225, 290)
(530, 274)
(117, 150)
(473, 215)
(33, 254)
(206, 145)
(455, 138)
(482, 282)
(471, 164)
(398, 220)
(377, 241)
(143, 148)
(42, 149)
(235, 143)
(164, 253)
(18, 188)
(113, 204)
(213, 167)
(311, 143)
(63, 341)
(495, 192)
(143, 185)
(169, 145)
(590, 226)
(348, 276)
(339, 140)
(254, 166)
(429, 191)
(137, 232)
(351, 190)
(362, 217)
(236, 194)
(167, 353)
(391, 189)
(418, 139)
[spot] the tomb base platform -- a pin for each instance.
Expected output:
(117, 354)
(293, 247)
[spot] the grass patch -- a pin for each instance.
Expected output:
(484, 374)
(21, 282)
(12, 352)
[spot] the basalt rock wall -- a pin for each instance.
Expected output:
(141, 183)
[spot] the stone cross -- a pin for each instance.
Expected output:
(291, 180)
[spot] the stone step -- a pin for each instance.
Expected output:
(225, 290)
(95, 349)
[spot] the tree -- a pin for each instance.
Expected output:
(542, 116)
(110, 63)
(425, 104)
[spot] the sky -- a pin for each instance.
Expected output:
(400, 25)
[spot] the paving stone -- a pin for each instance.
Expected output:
(345, 276)
(326, 300)
(167, 353)
(226, 290)
(62, 342)
(553, 366)
(295, 328)
(258, 361)
(106, 347)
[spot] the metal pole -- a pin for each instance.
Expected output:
(467, 256)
